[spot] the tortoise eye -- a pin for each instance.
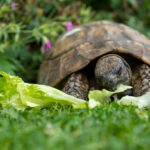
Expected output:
(119, 71)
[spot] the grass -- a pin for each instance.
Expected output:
(59, 127)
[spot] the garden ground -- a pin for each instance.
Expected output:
(111, 127)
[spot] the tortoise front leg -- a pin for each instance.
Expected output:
(77, 85)
(141, 79)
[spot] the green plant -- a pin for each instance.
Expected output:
(24, 27)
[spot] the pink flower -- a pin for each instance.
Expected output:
(13, 4)
(69, 25)
(47, 45)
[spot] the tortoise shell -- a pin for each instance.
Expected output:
(78, 47)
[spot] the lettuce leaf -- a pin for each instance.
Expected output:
(14, 92)
(141, 101)
(35, 95)
(9, 95)
(103, 96)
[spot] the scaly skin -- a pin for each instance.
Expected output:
(77, 85)
(141, 79)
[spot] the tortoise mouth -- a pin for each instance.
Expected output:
(110, 81)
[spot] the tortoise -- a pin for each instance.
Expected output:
(98, 55)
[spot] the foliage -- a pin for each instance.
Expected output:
(22, 34)
(24, 28)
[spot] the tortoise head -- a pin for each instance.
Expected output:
(112, 70)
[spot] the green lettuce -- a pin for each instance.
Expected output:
(9, 95)
(104, 96)
(141, 101)
(14, 92)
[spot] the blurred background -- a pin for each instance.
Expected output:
(25, 24)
